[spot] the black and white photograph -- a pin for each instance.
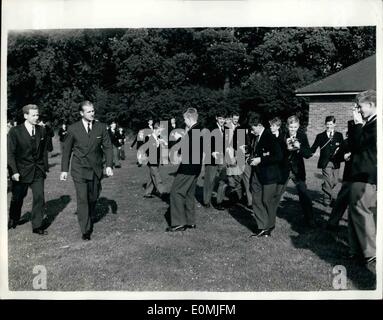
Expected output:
(191, 160)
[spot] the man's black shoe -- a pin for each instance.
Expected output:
(86, 236)
(40, 231)
(12, 224)
(175, 228)
(262, 233)
(190, 226)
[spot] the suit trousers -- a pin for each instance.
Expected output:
(20, 190)
(341, 204)
(87, 192)
(362, 219)
(263, 207)
(246, 182)
(330, 180)
(116, 156)
(182, 200)
(279, 191)
(155, 182)
(213, 174)
(304, 197)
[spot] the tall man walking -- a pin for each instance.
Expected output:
(28, 164)
(88, 140)
(182, 194)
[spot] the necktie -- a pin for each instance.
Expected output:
(331, 134)
(33, 131)
(89, 129)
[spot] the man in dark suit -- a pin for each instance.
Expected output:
(88, 140)
(298, 148)
(114, 139)
(280, 135)
(363, 196)
(343, 198)
(329, 142)
(62, 135)
(265, 155)
(155, 145)
(28, 164)
(214, 161)
(182, 194)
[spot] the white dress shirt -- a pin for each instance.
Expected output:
(30, 128)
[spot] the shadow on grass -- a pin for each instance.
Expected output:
(51, 165)
(244, 217)
(328, 246)
(103, 206)
(52, 210)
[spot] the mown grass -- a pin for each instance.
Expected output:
(131, 251)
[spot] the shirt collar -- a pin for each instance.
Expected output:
(29, 127)
(85, 123)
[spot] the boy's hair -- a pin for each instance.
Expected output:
(29, 107)
(235, 114)
(292, 119)
(191, 113)
(277, 121)
(366, 96)
(157, 125)
(255, 119)
(85, 103)
(330, 118)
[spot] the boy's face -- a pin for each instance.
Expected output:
(367, 109)
(235, 120)
(274, 128)
(257, 129)
(293, 128)
(221, 121)
(330, 126)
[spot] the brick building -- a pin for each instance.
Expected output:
(335, 95)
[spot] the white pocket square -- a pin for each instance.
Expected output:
(99, 137)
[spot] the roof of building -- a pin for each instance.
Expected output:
(356, 78)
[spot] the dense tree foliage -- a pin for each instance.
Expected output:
(134, 74)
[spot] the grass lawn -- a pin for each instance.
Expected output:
(131, 251)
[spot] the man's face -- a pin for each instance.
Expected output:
(173, 121)
(113, 126)
(367, 109)
(87, 113)
(187, 122)
(32, 117)
(221, 121)
(257, 129)
(235, 120)
(330, 126)
(293, 128)
(274, 128)
(150, 122)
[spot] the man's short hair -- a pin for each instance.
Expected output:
(29, 107)
(330, 118)
(276, 121)
(85, 103)
(366, 96)
(191, 113)
(292, 119)
(157, 125)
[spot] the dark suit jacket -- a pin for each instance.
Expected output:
(87, 151)
(188, 166)
(269, 150)
(339, 157)
(22, 157)
(114, 137)
(216, 144)
(295, 157)
(328, 148)
(363, 145)
(152, 147)
(284, 170)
